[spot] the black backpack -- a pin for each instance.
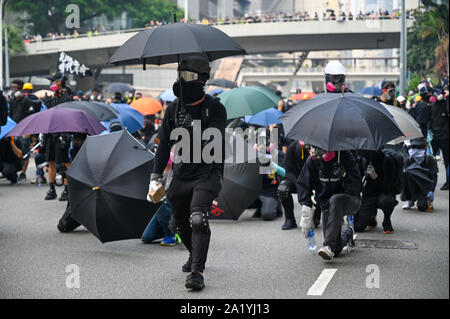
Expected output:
(393, 166)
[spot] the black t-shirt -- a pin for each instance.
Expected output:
(217, 118)
(6, 151)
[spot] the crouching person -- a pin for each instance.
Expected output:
(336, 180)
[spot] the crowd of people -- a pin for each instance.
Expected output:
(329, 185)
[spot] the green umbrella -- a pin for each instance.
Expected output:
(247, 100)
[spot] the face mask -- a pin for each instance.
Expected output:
(329, 156)
(336, 86)
(17, 94)
(192, 90)
(53, 88)
(433, 99)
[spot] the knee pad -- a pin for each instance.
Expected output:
(199, 221)
(283, 191)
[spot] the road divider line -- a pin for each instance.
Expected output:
(318, 288)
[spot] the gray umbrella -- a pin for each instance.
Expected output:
(118, 87)
(100, 111)
(223, 83)
(170, 43)
(406, 123)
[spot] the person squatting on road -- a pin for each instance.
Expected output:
(336, 180)
(194, 185)
(382, 180)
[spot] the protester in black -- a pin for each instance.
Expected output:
(10, 158)
(421, 112)
(336, 180)
(3, 110)
(194, 185)
(438, 124)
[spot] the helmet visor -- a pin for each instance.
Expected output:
(187, 76)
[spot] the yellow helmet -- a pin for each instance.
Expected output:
(417, 98)
(306, 97)
(28, 86)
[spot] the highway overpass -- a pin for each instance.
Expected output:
(270, 37)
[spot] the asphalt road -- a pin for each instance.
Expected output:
(249, 258)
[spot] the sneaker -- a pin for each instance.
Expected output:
(51, 194)
(289, 224)
(387, 227)
(187, 266)
(14, 182)
(169, 241)
(372, 223)
(64, 195)
(22, 176)
(34, 181)
(326, 253)
(195, 281)
(408, 204)
(444, 187)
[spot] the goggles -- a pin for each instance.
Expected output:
(188, 76)
(337, 78)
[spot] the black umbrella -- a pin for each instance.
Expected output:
(100, 111)
(416, 182)
(108, 184)
(118, 87)
(241, 185)
(170, 43)
(337, 122)
(223, 83)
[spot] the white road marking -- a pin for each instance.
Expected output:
(318, 288)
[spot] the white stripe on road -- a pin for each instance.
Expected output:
(321, 283)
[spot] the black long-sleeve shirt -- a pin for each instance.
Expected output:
(216, 119)
(294, 161)
(324, 178)
(439, 116)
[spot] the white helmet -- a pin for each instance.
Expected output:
(335, 68)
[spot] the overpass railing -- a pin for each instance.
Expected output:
(291, 69)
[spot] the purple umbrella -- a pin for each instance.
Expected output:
(58, 120)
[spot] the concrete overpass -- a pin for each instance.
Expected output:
(270, 37)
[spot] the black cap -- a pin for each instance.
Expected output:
(57, 76)
(197, 64)
(420, 142)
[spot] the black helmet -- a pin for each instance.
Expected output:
(196, 64)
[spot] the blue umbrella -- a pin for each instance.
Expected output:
(168, 96)
(265, 118)
(371, 90)
(128, 117)
(5, 129)
(216, 91)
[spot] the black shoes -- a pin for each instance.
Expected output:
(444, 187)
(22, 176)
(387, 227)
(289, 224)
(64, 195)
(51, 194)
(187, 266)
(195, 281)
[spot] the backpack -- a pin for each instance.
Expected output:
(393, 166)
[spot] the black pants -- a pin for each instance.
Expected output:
(187, 197)
(10, 169)
(66, 222)
(339, 206)
(369, 207)
(442, 144)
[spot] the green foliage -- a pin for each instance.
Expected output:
(46, 16)
(15, 41)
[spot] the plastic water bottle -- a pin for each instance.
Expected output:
(351, 221)
(311, 240)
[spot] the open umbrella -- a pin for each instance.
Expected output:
(406, 123)
(58, 120)
(147, 105)
(223, 83)
(5, 129)
(303, 96)
(168, 96)
(108, 183)
(416, 182)
(129, 118)
(100, 111)
(41, 93)
(265, 118)
(241, 185)
(118, 87)
(170, 43)
(337, 122)
(247, 100)
(371, 90)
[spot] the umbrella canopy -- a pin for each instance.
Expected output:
(147, 105)
(416, 182)
(337, 122)
(265, 118)
(129, 118)
(223, 83)
(247, 100)
(241, 185)
(5, 129)
(108, 183)
(118, 87)
(406, 123)
(371, 90)
(168, 96)
(303, 96)
(100, 111)
(170, 43)
(58, 120)
(215, 91)
(41, 93)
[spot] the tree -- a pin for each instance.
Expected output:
(15, 41)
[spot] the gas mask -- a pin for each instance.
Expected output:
(389, 95)
(335, 83)
(317, 153)
(18, 94)
(53, 88)
(191, 91)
